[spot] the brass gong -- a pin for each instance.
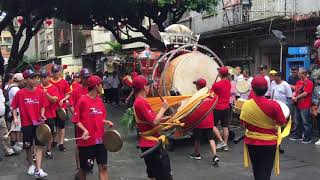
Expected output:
(43, 133)
(112, 140)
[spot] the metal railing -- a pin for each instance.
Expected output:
(258, 10)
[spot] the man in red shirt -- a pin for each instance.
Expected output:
(302, 96)
(205, 127)
(90, 117)
(223, 90)
(31, 102)
(75, 96)
(261, 152)
(158, 162)
(52, 94)
(64, 95)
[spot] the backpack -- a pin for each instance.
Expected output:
(7, 112)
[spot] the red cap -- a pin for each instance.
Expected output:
(259, 82)
(223, 70)
(200, 82)
(140, 81)
(94, 80)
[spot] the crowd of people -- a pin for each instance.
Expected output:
(30, 99)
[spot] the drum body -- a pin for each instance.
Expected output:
(180, 73)
(285, 109)
(238, 106)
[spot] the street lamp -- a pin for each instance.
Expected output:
(282, 41)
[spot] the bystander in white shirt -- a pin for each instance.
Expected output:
(281, 91)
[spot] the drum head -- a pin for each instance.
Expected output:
(285, 109)
(243, 86)
(43, 133)
(61, 113)
(112, 140)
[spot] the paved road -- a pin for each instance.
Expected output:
(299, 162)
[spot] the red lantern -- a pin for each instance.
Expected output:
(65, 66)
(48, 22)
(20, 20)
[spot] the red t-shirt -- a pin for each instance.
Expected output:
(307, 85)
(76, 94)
(30, 104)
(144, 113)
(74, 85)
(63, 87)
(51, 109)
(223, 90)
(272, 109)
(91, 113)
(207, 122)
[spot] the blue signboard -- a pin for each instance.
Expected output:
(298, 50)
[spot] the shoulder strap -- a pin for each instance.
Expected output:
(11, 88)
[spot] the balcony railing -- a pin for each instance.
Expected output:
(257, 10)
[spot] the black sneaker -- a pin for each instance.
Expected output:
(49, 155)
(215, 160)
(61, 147)
(226, 148)
(296, 138)
(54, 144)
(194, 156)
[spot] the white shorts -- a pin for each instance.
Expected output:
(17, 128)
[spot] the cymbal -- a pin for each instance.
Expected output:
(232, 71)
(61, 113)
(112, 140)
(43, 133)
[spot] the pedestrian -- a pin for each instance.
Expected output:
(204, 128)
(221, 112)
(64, 95)
(8, 80)
(76, 81)
(302, 97)
(31, 102)
(249, 79)
(316, 102)
(12, 90)
(262, 69)
(157, 162)
(292, 80)
(52, 95)
(260, 117)
(90, 117)
(272, 74)
(4, 142)
(68, 77)
(280, 89)
(107, 87)
(75, 96)
(115, 83)
(238, 77)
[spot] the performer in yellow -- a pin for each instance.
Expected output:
(263, 119)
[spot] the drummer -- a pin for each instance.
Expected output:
(52, 94)
(262, 71)
(158, 162)
(31, 102)
(258, 112)
(221, 112)
(205, 127)
(90, 117)
(64, 95)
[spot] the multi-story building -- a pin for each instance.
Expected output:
(241, 31)
(6, 44)
(61, 43)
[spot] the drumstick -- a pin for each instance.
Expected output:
(174, 124)
(7, 135)
(72, 139)
(158, 94)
